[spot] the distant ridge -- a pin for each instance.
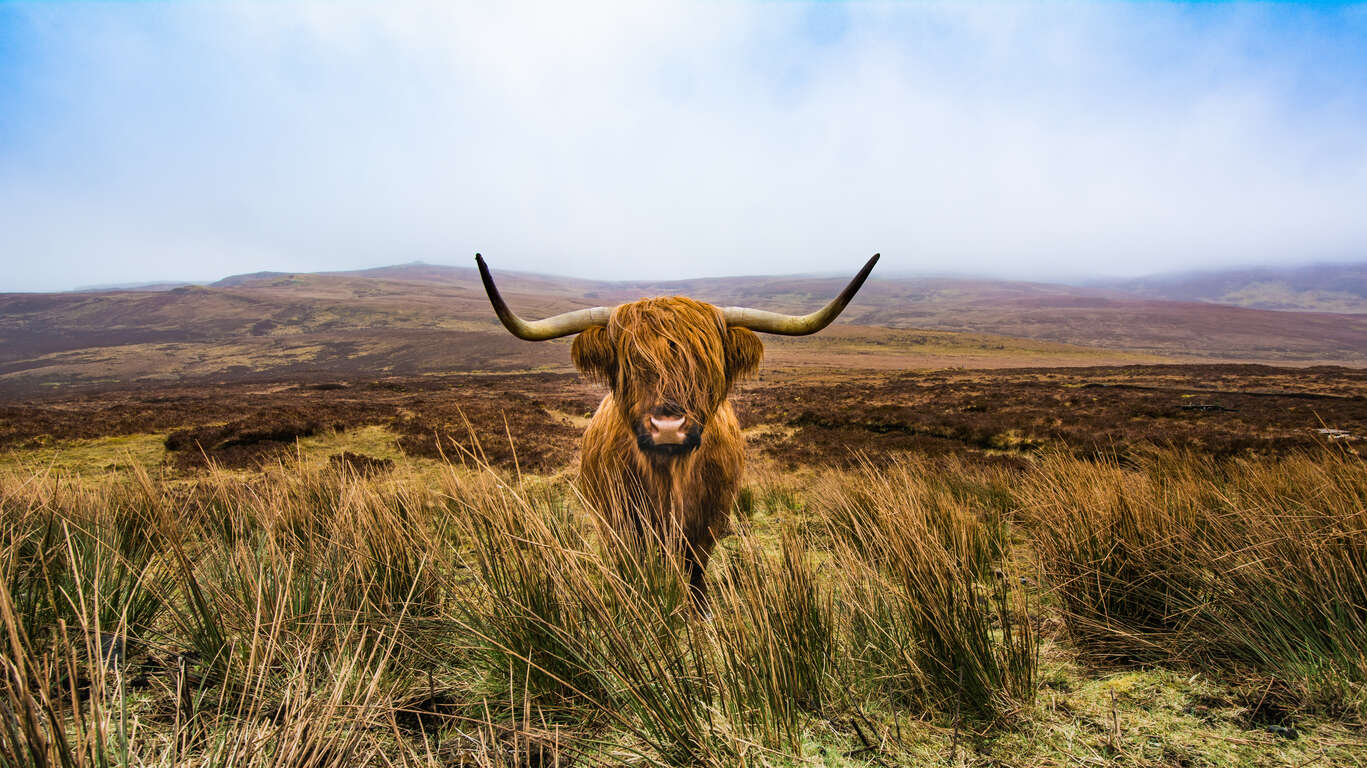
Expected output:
(417, 271)
(1337, 288)
(1313, 288)
(159, 286)
(251, 277)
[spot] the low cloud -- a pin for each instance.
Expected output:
(191, 141)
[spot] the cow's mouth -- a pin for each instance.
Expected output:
(668, 435)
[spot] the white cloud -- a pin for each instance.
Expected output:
(681, 139)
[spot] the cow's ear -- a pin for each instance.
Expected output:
(594, 355)
(743, 353)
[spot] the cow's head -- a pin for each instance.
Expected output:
(670, 362)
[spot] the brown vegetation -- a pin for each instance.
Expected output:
(535, 421)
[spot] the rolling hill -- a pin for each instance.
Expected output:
(417, 318)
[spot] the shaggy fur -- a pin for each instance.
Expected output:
(673, 355)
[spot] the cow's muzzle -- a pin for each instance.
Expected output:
(668, 434)
(666, 430)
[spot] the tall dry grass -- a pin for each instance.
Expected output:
(125, 644)
(935, 609)
(305, 616)
(308, 617)
(1252, 568)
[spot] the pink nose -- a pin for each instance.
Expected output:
(666, 431)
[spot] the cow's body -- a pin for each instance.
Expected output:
(662, 457)
(684, 501)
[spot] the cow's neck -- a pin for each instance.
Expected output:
(669, 475)
(669, 467)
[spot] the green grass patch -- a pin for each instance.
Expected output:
(96, 456)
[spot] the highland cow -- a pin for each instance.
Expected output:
(662, 456)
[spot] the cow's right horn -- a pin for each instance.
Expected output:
(798, 325)
(540, 330)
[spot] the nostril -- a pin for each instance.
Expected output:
(666, 424)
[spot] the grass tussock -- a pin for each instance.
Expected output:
(936, 611)
(125, 644)
(1254, 569)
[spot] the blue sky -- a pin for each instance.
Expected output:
(186, 141)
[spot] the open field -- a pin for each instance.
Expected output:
(1132, 565)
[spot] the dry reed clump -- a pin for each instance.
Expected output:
(587, 629)
(776, 636)
(936, 616)
(132, 638)
(1254, 568)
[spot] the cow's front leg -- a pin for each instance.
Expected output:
(697, 552)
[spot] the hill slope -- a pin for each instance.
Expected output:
(415, 319)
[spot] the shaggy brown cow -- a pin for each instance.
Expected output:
(663, 453)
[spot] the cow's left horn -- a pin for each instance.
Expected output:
(540, 330)
(798, 325)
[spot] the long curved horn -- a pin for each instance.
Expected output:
(540, 330)
(798, 325)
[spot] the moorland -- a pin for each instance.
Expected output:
(330, 520)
